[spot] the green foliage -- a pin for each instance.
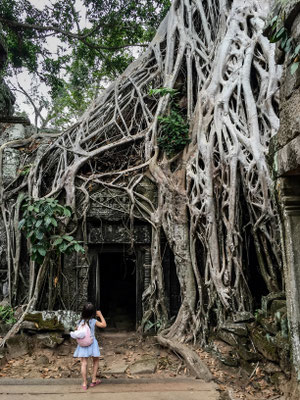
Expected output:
(258, 313)
(7, 315)
(174, 133)
(174, 130)
(26, 169)
(42, 220)
(152, 326)
(94, 39)
(277, 32)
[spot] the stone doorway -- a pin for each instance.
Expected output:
(114, 286)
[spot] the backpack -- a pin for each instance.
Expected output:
(83, 335)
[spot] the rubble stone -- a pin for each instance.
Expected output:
(243, 316)
(50, 340)
(236, 328)
(117, 368)
(143, 367)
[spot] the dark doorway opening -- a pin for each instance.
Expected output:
(172, 285)
(117, 283)
(255, 280)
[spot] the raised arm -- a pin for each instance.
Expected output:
(102, 322)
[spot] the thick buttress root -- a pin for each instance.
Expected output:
(196, 366)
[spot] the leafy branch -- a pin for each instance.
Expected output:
(7, 314)
(174, 135)
(277, 32)
(42, 223)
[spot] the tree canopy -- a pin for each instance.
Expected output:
(74, 47)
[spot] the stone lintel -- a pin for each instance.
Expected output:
(118, 234)
(291, 204)
(286, 161)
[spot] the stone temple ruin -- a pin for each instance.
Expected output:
(119, 261)
(120, 258)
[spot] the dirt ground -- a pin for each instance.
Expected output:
(125, 348)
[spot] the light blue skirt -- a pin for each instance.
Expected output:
(88, 351)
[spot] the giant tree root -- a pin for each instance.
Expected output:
(191, 358)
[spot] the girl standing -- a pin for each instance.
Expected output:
(88, 316)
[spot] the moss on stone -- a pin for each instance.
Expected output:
(266, 347)
(41, 324)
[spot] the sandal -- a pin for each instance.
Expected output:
(84, 387)
(95, 383)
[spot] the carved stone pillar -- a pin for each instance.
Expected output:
(82, 281)
(289, 195)
(147, 268)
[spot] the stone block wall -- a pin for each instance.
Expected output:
(285, 146)
(285, 162)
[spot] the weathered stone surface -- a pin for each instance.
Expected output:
(243, 316)
(12, 156)
(63, 321)
(112, 233)
(17, 346)
(290, 86)
(267, 300)
(277, 305)
(227, 337)
(236, 328)
(264, 346)
(269, 325)
(112, 205)
(288, 124)
(50, 340)
(225, 353)
(28, 326)
(287, 159)
(295, 31)
(248, 355)
(4, 328)
(15, 132)
(117, 368)
(143, 367)
(229, 360)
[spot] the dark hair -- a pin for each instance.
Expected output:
(88, 312)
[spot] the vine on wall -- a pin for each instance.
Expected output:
(278, 33)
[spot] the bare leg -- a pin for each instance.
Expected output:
(84, 370)
(95, 368)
